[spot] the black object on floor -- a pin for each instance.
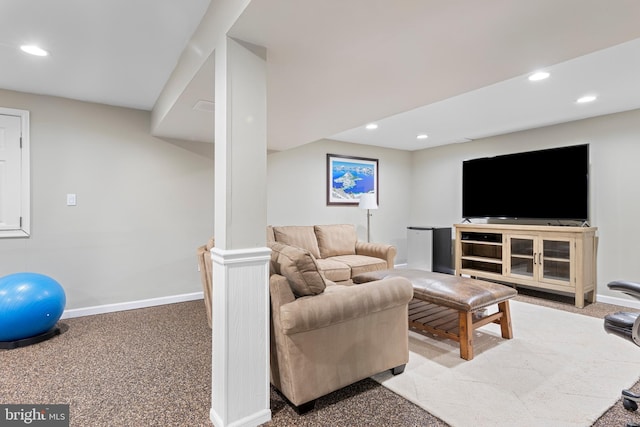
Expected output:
(625, 325)
(9, 345)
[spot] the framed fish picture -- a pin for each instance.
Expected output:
(349, 177)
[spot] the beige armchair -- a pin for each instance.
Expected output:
(325, 336)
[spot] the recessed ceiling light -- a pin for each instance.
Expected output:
(422, 136)
(539, 75)
(33, 50)
(371, 126)
(586, 98)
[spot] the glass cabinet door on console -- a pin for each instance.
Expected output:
(522, 253)
(556, 260)
(536, 258)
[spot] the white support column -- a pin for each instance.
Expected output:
(240, 365)
(240, 310)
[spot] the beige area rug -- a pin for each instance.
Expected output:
(560, 369)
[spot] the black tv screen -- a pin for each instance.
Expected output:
(544, 184)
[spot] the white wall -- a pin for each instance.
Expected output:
(144, 204)
(614, 183)
(297, 192)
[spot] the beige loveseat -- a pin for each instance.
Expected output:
(339, 254)
(325, 336)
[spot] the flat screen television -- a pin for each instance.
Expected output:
(550, 184)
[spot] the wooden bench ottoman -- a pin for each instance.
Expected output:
(452, 306)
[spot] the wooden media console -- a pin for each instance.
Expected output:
(558, 259)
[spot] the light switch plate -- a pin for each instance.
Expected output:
(71, 199)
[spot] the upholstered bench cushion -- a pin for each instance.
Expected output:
(459, 293)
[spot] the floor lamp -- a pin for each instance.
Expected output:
(368, 202)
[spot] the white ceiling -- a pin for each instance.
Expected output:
(516, 104)
(454, 70)
(116, 52)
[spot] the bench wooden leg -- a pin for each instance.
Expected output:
(505, 320)
(466, 335)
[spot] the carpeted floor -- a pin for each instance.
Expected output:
(151, 367)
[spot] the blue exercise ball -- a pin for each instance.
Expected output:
(30, 304)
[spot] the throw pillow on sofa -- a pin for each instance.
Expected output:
(336, 239)
(300, 236)
(299, 267)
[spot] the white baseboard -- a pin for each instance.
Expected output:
(130, 305)
(618, 301)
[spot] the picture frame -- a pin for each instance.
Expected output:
(348, 177)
